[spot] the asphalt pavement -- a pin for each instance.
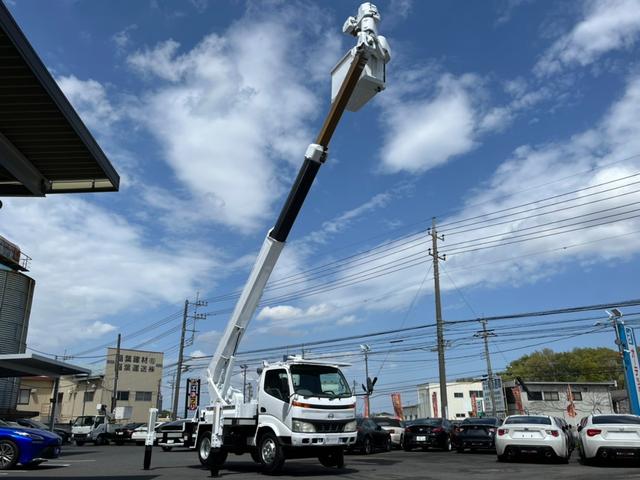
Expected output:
(113, 462)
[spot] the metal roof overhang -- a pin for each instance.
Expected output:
(44, 146)
(30, 364)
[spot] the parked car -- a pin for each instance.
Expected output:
(428, 433)
(31, 423)
(608, 437)
(569, 431)
(538, 435)
(476, 433)
(122, 434)
(371, 436)
(179, 433)
(26, 446)
(139, 435)
(394, 426)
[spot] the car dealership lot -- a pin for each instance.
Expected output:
(125, 462)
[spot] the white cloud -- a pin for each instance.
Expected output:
(90, 265)
(122, 39)
(418, 134)
(90, 98)
(231, 118)
(607, 25)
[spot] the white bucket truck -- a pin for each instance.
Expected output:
(98, 429)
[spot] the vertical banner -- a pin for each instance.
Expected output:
(517, 395)
(397, 405)
(631, 365)
(474, 405)
(434, 404)
(193, 396)
(571, 407)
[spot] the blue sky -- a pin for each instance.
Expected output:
(206, 109)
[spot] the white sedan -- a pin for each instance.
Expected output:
(538, 435)
(609, 436)
(139, 435)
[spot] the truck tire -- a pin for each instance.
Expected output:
(333, 458)
(101, 440)
(9, 454)
(271, 454)
(204, 451)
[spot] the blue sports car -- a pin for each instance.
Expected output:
(27, 446)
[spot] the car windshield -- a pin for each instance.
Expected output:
(624, 419)
(480, 421)
(529, 420)
(37, 424)
(83, 422)
(3, 423)
(319, 381)
(387, 422)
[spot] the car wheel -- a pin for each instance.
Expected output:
(8, 454)
(271, 454)
(166, 449)
(447, 447)
(367, 448)
(334, 458)
(502, 458)
(387, 447)
(401, 444)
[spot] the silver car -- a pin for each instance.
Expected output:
(611, 436)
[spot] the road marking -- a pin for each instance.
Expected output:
(76, 461)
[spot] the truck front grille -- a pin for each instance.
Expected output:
(328, 427)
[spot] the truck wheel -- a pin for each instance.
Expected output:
(101, 440)
(271, 454)
(79, 443)
(334, 458)
(204, 448)
(166, 449)
(8, 454)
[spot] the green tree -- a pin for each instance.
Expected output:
(578, 365)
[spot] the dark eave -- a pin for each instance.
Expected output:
(44, 146)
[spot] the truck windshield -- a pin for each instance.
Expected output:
(319, 381)
(83, 422)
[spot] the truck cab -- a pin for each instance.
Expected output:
(84, 428)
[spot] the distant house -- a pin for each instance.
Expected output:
(552, 398)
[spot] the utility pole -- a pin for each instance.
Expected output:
(485, 334)
(433, 251)
(114, 397)
(176, 386)
(244, 382)
(366, 349)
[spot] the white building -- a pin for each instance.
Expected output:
(459, 399)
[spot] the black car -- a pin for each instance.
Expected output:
(31, 423)
(476, 433)
(371, 436)
(123, 434)
(428, 433)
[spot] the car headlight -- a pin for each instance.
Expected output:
(32, 436)
(303, 427)
(350, 427)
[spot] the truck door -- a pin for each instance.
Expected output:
(274, 395)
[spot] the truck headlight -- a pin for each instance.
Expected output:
(350, 427)
(303, 427)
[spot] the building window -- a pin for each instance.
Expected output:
(143, 396)
(460, 415)
(127, 358)
(144, 359)
(127, 367)
(136, 367)
(151, 369)
(143, 368)
(534, 395)
(136, 359)
(110, 362)
(122, 395)
(120, 366)
(551, 396)
(88, 396)
(477, 393)
(23, 396)
(577, 396)
(458, 395)
(152, 360)
(119, 358)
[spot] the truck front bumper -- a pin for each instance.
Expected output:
(343, 439)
